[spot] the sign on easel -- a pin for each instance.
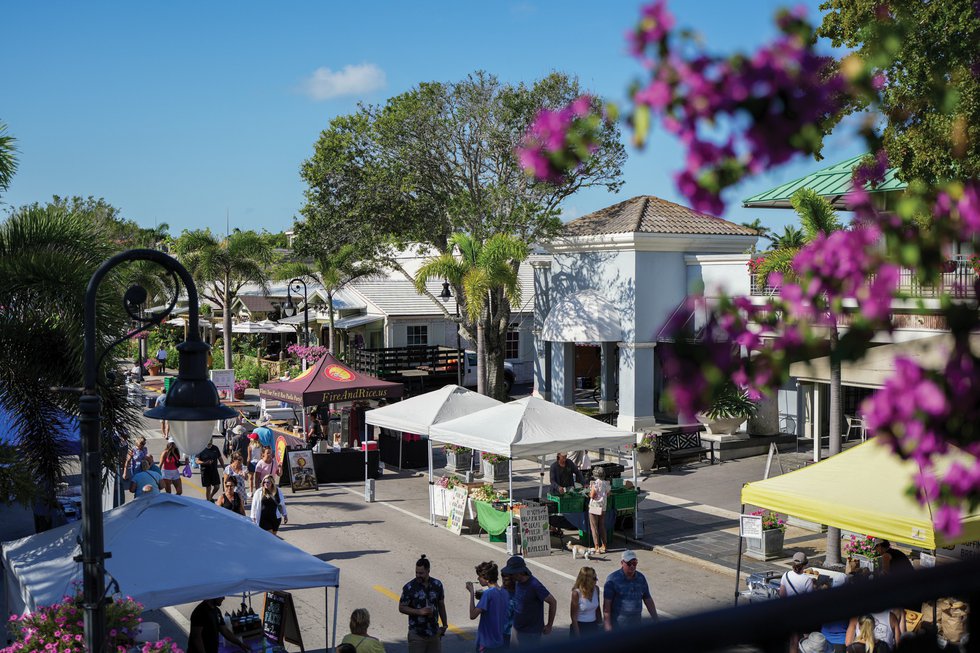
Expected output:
(535, 534)
(457, 510)
(224, 383)
(750, 526)
(279, 622)
(773, 453)
(302, 476)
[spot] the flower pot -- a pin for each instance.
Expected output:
(721, 426)
(645, 459)
(767, 548)
(459, 461)
(493, 472)
(153, 370)
(239, 394)
(871, 564)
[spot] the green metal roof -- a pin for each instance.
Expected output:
(834, 183)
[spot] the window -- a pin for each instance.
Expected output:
(417, 335)
(512, 348)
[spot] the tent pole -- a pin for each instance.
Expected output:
(636, 510)
(401, 445)
(541, 479)
(510, 498)
(432, 521)
(336, 604)
(738, 560)
(326, 618)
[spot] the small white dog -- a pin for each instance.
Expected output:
(579, 550)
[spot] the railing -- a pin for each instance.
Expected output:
(768, 626)
(392, 361)
(958, 282)
(608, 418)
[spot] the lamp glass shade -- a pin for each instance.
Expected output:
(191, 437)
(289, 308)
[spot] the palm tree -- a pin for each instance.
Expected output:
(332, 270)
(8, 157)
(791, 238)
(221, 266)
(47, 255)
(484, 278)
(762, 230)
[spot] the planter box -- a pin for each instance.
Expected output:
(724, 426)
(871, 564)
(459, 461)
(767, 548)
(493, 473)
(645, 460)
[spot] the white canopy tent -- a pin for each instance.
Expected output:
(164, 531)
(530, 428)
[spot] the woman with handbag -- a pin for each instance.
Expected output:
(170, 461)
(598, 493)
(269, 506)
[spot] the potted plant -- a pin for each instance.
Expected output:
(773, 534)
(240, 386)
(949, 266)
(645, 455)
(494, 467)
(862, 549)
(458, 459)
(729, 409)
(152, 366)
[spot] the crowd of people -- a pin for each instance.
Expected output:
(877, 632)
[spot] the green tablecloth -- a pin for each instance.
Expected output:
(491, 520)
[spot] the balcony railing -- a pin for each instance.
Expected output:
(958, 282)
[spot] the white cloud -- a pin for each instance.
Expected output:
(325, 84)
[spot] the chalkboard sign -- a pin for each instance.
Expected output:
(457, 510)
(279, 623)
(535, 537)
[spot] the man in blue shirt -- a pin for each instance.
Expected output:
(492, 609)
(529, 599)
(625, 593)
(149, 475)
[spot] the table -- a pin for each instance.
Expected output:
(414, 453)
(442, 499)
(345, 466)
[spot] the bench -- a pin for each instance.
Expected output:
(683, 442)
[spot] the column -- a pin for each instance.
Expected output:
(607, 401)
(563, 373)
(636, 374)
(542, 350)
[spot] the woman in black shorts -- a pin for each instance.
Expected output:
(269, 506)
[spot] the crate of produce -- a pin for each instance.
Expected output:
(569, 502)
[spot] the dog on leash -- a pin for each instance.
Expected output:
(579, 550)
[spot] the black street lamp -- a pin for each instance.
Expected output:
(192, 397)
(289, 308)
(445, 296)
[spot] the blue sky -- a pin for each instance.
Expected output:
(184, 112)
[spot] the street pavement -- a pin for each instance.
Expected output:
(688, 548)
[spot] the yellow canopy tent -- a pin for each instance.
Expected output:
(863, 490)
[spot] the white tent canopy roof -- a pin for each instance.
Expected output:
(529, 427)
(418, 414)
(166, 550)
(586, 316)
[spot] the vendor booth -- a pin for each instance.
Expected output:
(863, 490)
(207, 551)
(329, 381)
(416, 416)
(529, 428)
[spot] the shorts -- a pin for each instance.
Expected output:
(251, 467)
(210, 476)
(171, 474)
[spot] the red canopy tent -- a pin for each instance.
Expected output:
(330, 381)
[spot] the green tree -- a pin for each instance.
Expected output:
(47, 256)
(484, 275)
(332, 270)
(221, 266)
(927, 53)
(761, 229)
(438, 160)
(791, 238)
(8, 157)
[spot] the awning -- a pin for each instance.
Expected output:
(878, 363)
(355, 321)
(586, 316)
(330, 381)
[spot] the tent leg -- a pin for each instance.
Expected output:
(738, 560)
(636, 510)
(401, 445)
(510, 498)
(326, 618)
(541, 480)
(432, 521)
(336, 604)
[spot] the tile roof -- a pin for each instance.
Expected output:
(256, 303)
(652, 215)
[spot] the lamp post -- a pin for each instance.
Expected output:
(192, 397)
(289, 308)
(445, 296)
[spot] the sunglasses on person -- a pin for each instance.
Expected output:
(629, 563)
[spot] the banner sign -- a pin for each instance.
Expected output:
(535, 535)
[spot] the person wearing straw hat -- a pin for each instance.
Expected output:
(815, 643)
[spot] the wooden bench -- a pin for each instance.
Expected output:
(681, 443)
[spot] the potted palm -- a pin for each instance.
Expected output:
(494, 467)
(458, 459)
(729, 409)
(773, 534)
(645, 455)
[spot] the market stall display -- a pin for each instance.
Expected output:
(343, 466)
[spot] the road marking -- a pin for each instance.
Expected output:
(686, 504)
(391, 595)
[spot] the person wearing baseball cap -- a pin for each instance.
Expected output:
(625, 593)
(530, 597)
(794, 583)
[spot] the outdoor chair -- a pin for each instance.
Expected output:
(855, 423)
